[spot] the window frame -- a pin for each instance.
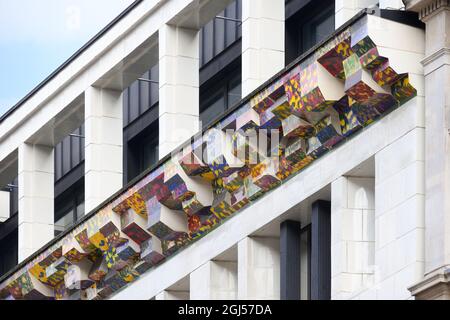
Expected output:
(220, 83)
(301, 22)
(71, 199)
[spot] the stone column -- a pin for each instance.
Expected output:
(36, 198)
(103, 145)
(352, 235)
(178, 86)
(259, 258)
(215, 280)
(262, 41)
(436, 15)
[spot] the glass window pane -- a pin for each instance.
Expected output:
(134, 101)
(316, 28)
(144, 95)
(76, 141)
(324, 28)
(150, 154)
(208, 39)
(58, 161)
(230, 26)
(65, 221)
(239, 17)
(234, 92)
(80, 211)
(125, 106)
(200, 47)
(82, 142)
(14, 197)
(154, 87)
(219, 34)
(213, 110)
(66, 155)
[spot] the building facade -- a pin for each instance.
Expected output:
(247, 149)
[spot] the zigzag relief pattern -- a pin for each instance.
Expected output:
(341, 88)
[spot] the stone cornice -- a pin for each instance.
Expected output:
(435, 55)
(427, 8)
(432, 282)
(436, 60)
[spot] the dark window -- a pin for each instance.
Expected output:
(8, 246)
(8, 230)
(66, 155)
(144, 94)
(134, 108)
(13, 190)
(143, 151)
(234, 90)
(58, 161)
(207, 49)
(75, 147)
(69, 206)
(312, 23)
(82, 134)
(220, 33)
(69, 153)
(213, 105)
(220, 93)
(154, 88)
(126, 118)
(140, 96)
(141, 134)
(318, 28)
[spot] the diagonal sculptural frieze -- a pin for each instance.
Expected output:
(310, 108)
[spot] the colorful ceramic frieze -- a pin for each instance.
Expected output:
(306, 112)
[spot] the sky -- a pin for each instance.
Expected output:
(37, 36)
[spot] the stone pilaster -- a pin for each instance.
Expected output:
(178, 86)
(436, 15)
(262, 41)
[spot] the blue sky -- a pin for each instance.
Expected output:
(36, 36)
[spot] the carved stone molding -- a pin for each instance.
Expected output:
(427, 8)
(435, 286)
